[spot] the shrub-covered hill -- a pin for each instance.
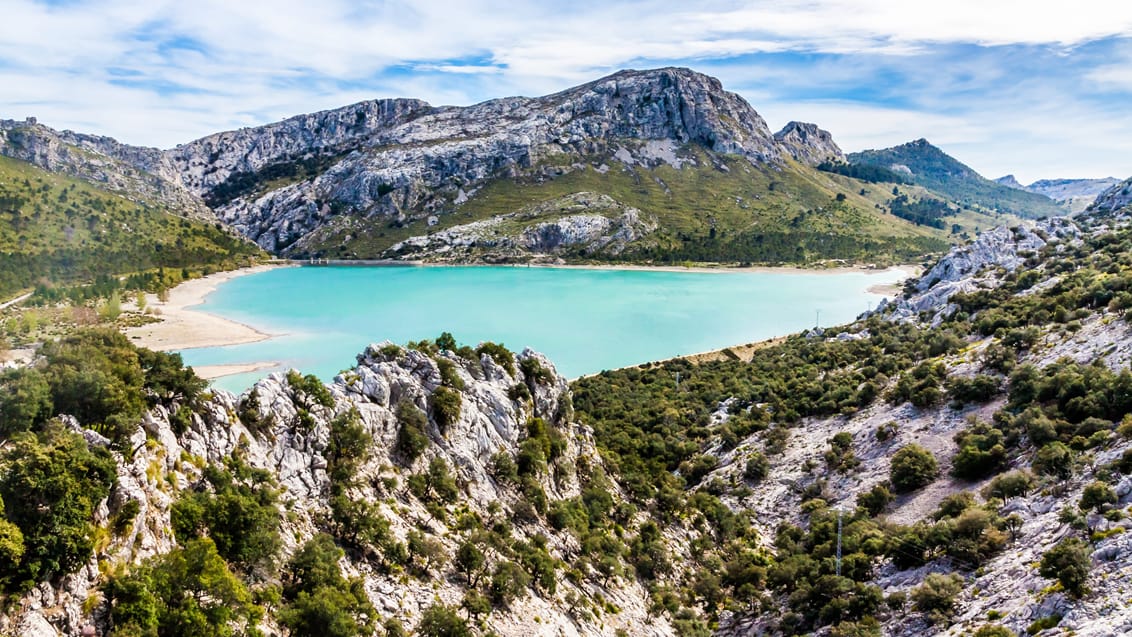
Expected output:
(969, 444)
(60, 230)
(930, 167)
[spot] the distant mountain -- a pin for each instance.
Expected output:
(1010, 182)
(934, 169)
(657, 165)
(1074, 195)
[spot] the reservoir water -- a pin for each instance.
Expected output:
(585, 320)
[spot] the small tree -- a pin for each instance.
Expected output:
(936, 596)
(1009, 485)
(912, 467)
(757, 469)
(441, 621)
(1097, 496)
(1068, 563)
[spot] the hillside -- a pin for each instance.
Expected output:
(973, 433)
(704, 176)
(1074, 195)
(935, 170)
(680, 168)
(58, 230)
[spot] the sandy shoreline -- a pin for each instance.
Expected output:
(184, 327)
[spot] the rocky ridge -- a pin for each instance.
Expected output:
(583, 224)
(490, 421)
(1114, 198)
(809, 144)
(136, 173)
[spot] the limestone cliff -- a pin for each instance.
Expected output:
(137, 173)
(493, 419)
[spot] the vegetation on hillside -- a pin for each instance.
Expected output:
(713, 209)
(56, 231)
(935, 170)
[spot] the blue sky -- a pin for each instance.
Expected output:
(1037, 88)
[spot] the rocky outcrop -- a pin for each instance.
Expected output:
(583, 223)
(492, 419)
(1115, 198)
(962, 268)
(382, 163)
(809, 144)
(401, 159)
(139, 174)
(1010, 182)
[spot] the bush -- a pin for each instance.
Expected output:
(875, 500)
(188, 591)
(912, 467)
(50, 487)
(321, 601)
(239, 514)
(441, 621)
(498, 353)
(1009, 485)
(445, 408)
(1097, 496)
(1054, 459)
(1069, 563)
(936, 596)
(412, 439)
(757, 468)
(994, 630)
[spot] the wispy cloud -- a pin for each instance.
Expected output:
(996, 81)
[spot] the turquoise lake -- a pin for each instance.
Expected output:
(584, 320)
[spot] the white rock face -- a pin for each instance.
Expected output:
(1115, 198)
(403, 158)
(962, 269)
(489, 422)
(139, 174)
(582, 222)
(808, 144)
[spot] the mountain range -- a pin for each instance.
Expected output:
(648, 166)
(1073, 194)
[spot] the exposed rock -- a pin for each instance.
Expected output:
(809, 144)
(584, 223)
(404, 159)
(489, 422)
(139, 174)
(1113, 199)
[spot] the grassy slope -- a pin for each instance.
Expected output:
(62, 230)
(938, 171)
(758, 213)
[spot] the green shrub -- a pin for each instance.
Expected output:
(187, 591)
(1069, 563)
(448, 374)
(912, 467)
(412, 438)
(445, 408)
(50, 487)
(239, 514)
(936, 595)
(757, 467)
(498, 353)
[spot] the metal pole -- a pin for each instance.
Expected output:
(839, 541)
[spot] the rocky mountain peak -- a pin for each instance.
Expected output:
(809, 144)
(1010, 182)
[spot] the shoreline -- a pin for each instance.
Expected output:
(183, 326)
